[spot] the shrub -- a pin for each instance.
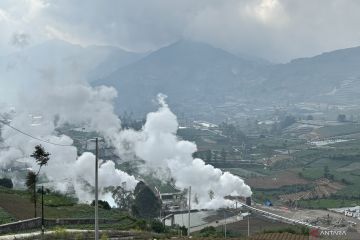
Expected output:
(142, 225)
(60, 233)
(208, 232)
(102, 204)
(157, 226)
(104, 236)
(6, 182)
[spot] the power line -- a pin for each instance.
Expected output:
(33, 137)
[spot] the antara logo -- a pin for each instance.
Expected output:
(332, 233)
(315, 233)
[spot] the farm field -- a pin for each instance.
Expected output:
(289, 166)
(277, 180)
(17, 205)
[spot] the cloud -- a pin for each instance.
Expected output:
(274, 29)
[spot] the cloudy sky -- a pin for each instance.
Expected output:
(278, 30)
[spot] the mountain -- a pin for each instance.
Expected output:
(195, 76)
(200, 80)
(332, 77)
(206, 81)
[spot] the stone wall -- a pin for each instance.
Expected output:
(34, 223)
(20, 225)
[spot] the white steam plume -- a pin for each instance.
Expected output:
(59, 96)
(163, 152)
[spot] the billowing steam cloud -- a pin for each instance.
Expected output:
(52, 101)
(58, 95)
(159, 146)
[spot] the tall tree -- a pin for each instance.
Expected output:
(146, 204)
(123, 198)
(41, 157)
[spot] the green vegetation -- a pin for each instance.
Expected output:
(41, 158)
(157, 226)
(283, 150)
(302, 230)
(338, 130)
(215, 233)
(6, 182)
(146, 204)
(210, 232)
(328, 203)
(18, 205)
(58, 200)
(102, 204)
(62, 233)
(5, 217)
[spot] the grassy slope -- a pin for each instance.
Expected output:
(18, 206)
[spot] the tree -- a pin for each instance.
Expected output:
(41, 157)
(6, 182)
(157, 226)
(146, 203)
(102, 204)
(123, 198)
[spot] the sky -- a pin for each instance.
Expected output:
(277, 30)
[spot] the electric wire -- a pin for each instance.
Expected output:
(33, 137)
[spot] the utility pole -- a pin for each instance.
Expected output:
(35, 197)
(248, 218)
(42, 211)
(225, 223)
(188, 232)
(96, 190)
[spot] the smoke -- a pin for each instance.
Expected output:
(57, 97)
(57, 94)
(157, 144)
(167, 155)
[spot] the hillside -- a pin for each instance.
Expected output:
(199, 78)
(201, 81)
(332, 77)
(195, 76)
